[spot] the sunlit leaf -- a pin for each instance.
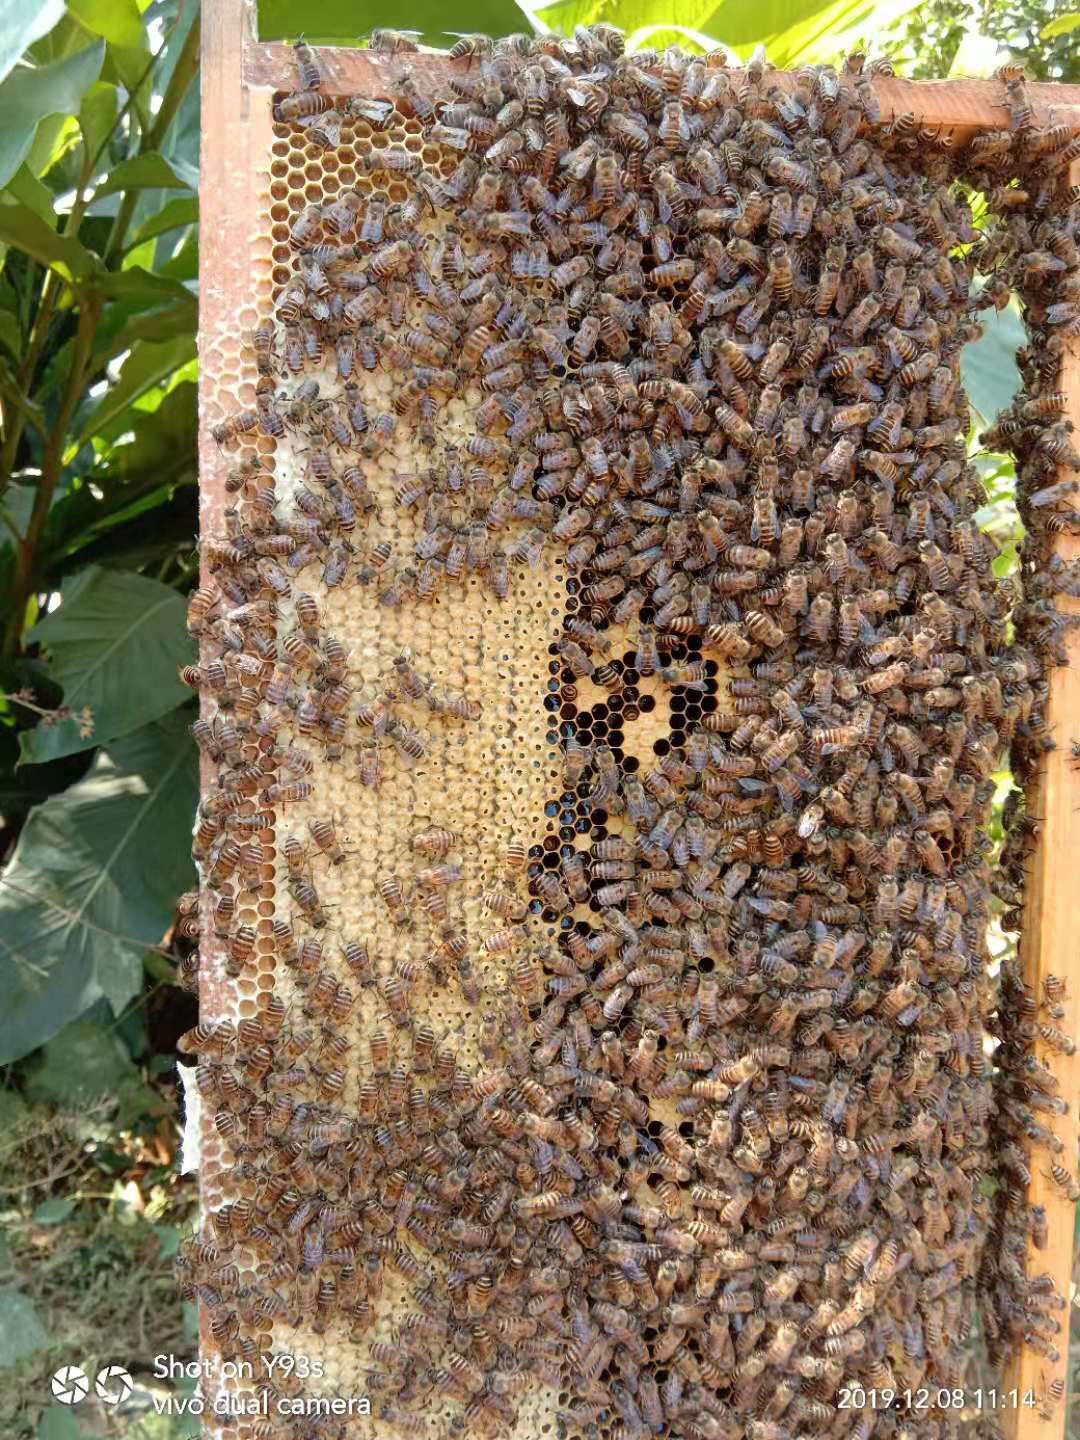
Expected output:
(28, 95)
(149, 363)
(1063, 25)
(118, 21)
(792, 31)
(97, 115)
(92, 884)
(121, 24)
(109, 627)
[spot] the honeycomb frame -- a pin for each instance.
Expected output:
(239, 269)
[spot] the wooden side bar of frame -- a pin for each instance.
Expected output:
(238, 72)
(1049, 950)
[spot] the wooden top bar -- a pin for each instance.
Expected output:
(965, 106)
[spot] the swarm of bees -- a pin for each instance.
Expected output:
(726, 1152)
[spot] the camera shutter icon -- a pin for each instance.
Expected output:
(70, 1385)
(113, 1384)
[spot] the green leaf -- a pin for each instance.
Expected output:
(159, 455)
(141, 286)
(51, 1212)
(83, 1061)
(27, 231)
(168, 1238)
(92, 883)
(141, 172)
(149, 363)
(25, 187)
(21, 1330)
(97, 115)
(128, 60)
(988, 365)
(184, 210)
(29, 95)
(110, 627)
(118, 21)
(1063, 25)
(792, 31)
(160, 324)
(58, 1422)
(57, 136)
(341, 21)
(22, 22)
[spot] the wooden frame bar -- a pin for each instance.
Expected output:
(1049, 946)
(238, 75)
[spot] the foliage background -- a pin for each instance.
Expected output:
(99, 135)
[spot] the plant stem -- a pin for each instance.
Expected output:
(187, 66)
(51, 470)
(50, 291)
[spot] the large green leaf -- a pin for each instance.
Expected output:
(92, 884)
(21, 1330)
(343, 21)
(184, 210)
(792, 31)
(25, 188)
(85, 1062)
(141, 287)
(114, 643)
(161, 323)
(141, 172)
(988, 365)
(149, 363)
(28, 95)
(22, 22)
(118, 21)
(1063, 25)
(128, 60)
(97, 115)
(27, 231)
